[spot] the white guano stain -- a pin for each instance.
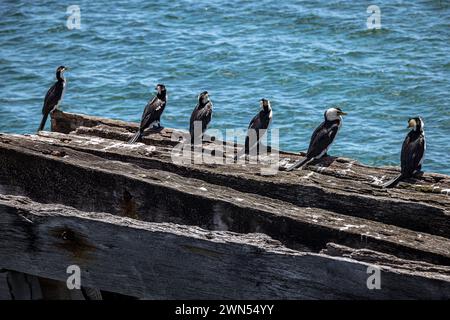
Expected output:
(348, 226)
(309, 175)
(376, 180)
(348, 169)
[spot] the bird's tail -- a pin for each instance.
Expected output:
(136, 137)
(298, 164)
(44, 120)
(392, 183)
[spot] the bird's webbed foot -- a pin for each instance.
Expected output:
(418, 173)
(158, 127)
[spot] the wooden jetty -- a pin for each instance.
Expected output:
(140, 224)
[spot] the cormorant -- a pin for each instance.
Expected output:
(54, 95)
(152, 112)
(322, 137)
(413, 152)
(259, 124)
(202, 114)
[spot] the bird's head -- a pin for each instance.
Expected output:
(160, 90)
(265, 104)
(416, 124)
(203, 98)
(60, 71)
(334, 113)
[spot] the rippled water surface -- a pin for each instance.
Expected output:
(305, 56)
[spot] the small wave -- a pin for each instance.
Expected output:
(310, 19)
(56, 29)
(364, 33)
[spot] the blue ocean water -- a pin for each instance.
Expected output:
(304, 56)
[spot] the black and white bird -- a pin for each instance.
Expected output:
(54, 95)
(200, 117)
(413, 152)
(322, 137)
(151, 116)
(257, 128)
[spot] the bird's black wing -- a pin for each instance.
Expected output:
(260, 121)
(321, 139)
(265, 120)
(192, 119)
(152, 112)
(201, 114)
(259, 124)
(255, 123)
(52, 97)
(413, 150)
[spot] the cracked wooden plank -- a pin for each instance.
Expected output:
(336, 184)
(92, 183)
(380, 258)
(170, 261)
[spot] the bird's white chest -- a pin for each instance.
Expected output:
(424, 149)
(270, 118)
(62, 94)
(334, 126)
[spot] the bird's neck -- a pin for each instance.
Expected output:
(60, 77)
(203, 104)
(417, 132)
(267, 109)
(331, 122)
(161, 96)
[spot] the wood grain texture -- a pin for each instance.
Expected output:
(19, 286)
(5, 291)
(336, 184)
(163, 260)
(92, 183)
(141, 222)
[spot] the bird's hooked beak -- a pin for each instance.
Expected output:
(342, 113)
(66, 69)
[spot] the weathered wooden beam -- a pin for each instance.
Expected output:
(91, 183)
(5, 291)
(66, 122)
(335, 184)
(163, 260)
(379, 258)
(19, 286)
(58, 290)
(332, 207)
